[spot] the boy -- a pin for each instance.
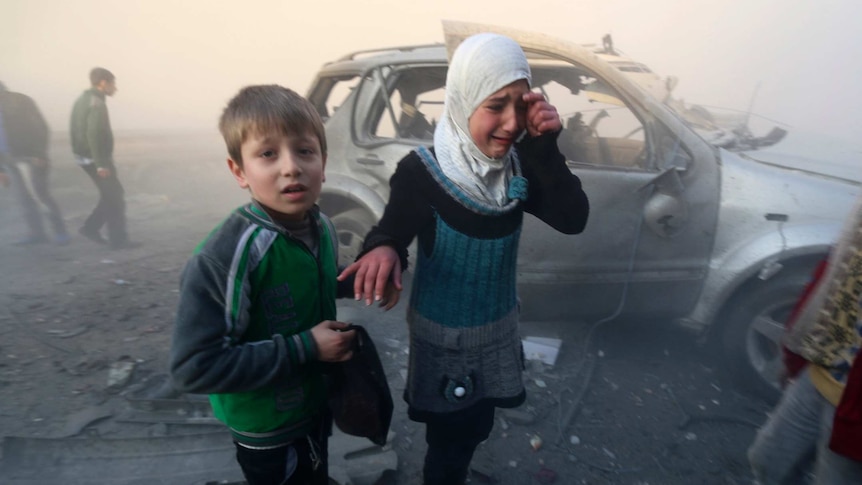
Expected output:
(256, 317)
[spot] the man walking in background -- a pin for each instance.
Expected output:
(93, 146)
(26, 141)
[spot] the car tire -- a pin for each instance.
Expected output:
(352, 225)
(753, 331)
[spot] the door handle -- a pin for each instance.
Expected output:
(369, 159)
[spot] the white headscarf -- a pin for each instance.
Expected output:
(482, 65)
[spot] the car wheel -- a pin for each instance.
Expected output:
(753, 332)
(351, 225)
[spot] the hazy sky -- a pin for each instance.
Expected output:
(177, 62)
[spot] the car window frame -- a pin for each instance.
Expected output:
(384, 84)
(362, 125)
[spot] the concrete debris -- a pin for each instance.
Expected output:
(120, 373)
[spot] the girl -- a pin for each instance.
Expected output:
(494, 157)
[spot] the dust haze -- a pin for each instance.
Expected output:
(178, 62)
(70, 315)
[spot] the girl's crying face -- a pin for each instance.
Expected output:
(500, 119)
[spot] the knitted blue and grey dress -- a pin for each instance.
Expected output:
(463, 312)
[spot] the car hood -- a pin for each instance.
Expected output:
(814, 154)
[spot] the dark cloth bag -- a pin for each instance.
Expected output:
(360, 401)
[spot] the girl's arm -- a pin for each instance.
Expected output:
(555, 194)
(384, 254)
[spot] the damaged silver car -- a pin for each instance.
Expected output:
(680, 228)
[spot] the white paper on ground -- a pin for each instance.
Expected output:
(541, 348)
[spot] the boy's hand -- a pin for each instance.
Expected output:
(333, 345)
(4, 179)
(372, 275)
(542, 117)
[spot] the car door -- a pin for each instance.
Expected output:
(653, 190)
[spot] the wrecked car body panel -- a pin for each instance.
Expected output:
(751, 234)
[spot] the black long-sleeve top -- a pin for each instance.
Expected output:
(555, 196)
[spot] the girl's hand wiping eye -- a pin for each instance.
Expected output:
(542, 117)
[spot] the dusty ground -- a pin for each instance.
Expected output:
(639, 403)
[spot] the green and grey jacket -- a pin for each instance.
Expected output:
(248, 298)
(90, 129)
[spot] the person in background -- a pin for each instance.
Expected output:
(820, 412)
(26, 137)
(93, 146)
(495, 157)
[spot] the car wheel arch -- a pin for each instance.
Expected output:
(750, 356)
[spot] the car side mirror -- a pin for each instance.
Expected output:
(667, 182)
(672, 154)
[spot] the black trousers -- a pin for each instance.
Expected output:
(39, 174)
(111, 209)
(303, 462)
(452, 439)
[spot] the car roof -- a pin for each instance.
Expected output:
(363, 59)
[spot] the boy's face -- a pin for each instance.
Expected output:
(499, 120)
(283, 173)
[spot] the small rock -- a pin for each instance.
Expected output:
(536, 442)
(513, 463)
(691, 436)
(574, 440)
